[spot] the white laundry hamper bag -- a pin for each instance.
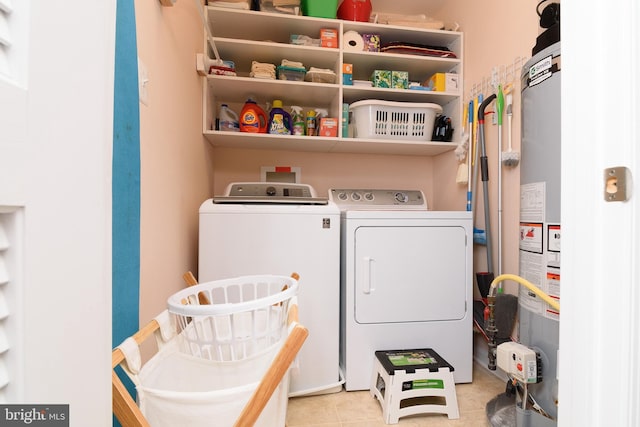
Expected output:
(176, 389)
(211, 357)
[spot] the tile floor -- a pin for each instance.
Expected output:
(359, 409)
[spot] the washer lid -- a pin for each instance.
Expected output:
(270, 192)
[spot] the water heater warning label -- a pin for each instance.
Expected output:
(531, 237)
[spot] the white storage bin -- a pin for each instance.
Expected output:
(377, 119)
(233, 319)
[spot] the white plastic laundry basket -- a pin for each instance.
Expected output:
(233, 319)
(376, 119)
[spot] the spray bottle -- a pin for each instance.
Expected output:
(298, 120)
(321, 113)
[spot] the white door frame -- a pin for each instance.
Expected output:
(55, 175)
(599, 320)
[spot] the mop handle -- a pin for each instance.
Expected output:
(470, 154)
(212, 43)
(484, 170)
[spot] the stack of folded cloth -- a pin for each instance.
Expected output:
(263, 70)
(291, 64)
(224, 68)
(232, 4)
(282, 6)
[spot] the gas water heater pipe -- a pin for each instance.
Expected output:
(491, 329)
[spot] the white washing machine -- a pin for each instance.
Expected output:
(271, 228)
(406, 280)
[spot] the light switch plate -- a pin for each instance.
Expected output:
(143, 80)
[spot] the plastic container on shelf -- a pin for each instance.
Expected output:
(378, 119)
(290, 73)
(228, 120)
(320, 76)
(253, 119)
(279, 120)
(355, 10)
(320, 8)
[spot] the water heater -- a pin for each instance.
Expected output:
(540, 231)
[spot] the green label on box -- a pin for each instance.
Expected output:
(422, 384)
(409, 358)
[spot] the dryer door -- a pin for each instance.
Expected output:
(410, 274)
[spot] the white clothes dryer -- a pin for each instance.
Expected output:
(406, 280)
(272, 228)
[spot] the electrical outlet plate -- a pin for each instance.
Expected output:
(290, 174)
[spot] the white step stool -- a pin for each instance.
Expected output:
(410, 382)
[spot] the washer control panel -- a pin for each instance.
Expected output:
(270, 192)
(378, 199)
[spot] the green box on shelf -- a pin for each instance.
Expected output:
(381, 78)
(320, 8)
(400, 79)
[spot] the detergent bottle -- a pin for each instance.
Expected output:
(298, 120)
(253, 118)
(279, 120)
(228, 119)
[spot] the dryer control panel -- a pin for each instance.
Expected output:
(356, 199)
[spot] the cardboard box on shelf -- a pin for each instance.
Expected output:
(329, 37)
(347, 74)
(400, 79)
(443, 82)
(371, 42)
(328, 126)
(381, 78)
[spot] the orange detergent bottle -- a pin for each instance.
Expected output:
(253, 119)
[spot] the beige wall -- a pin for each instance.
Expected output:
(495, 33)
(324, 171)
(175, 165)
(180, 169)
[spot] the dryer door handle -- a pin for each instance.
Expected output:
(367, 276)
